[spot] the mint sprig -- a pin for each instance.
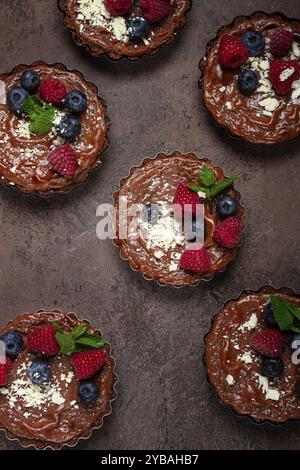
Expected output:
(41, 115)
(76, 340)
(207, 176)
(285, 313)
(208, 183)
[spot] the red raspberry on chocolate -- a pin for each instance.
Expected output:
(52, 91)
(43, 340)
(195, 261)
(227, 233)
(281, 41)
(3, 370)
(186, 198)
(155, 10)
(283, 73)
(87, 363)
(63, 160)
(232, 52)
(118, 7)
(268, 343)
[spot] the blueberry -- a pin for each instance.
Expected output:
(193, 230)
(272, 367)
(248, 81)
(137, 27)
(269, 316)
(13, 343)
(88, 391)
(16, 98)
(39, 372)
(226, 206)
(293, 344)
(76, 102)
(69, 127)
(150, 213)
(255, 42)
(30, 80)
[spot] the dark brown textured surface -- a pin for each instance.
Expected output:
(50, 255)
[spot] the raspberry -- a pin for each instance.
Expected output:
(118, 7)
(63, 160)
(3, 371)
(87, 363)
(43, 340)
(232, 52)
(52, 91)
(227, 233)
(195, 261)
(267, 343)
(185, 197)
(283, 73)
(155, 10)
(281, 41)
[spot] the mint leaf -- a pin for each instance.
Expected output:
(207, 176)
(66, 343)
(32, 104)
(220, 186)
(295, 329)
(41, 122)
(215, 188)
(293, 309)
(41, 115)
(56, 325)
(196, 188)
(78, 331)
(91, 341)
(282, 314)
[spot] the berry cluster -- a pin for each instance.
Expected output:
(41, 100)
(234, 53)
(153, 11)
(226, 233)
(48, 340)
(269, 345)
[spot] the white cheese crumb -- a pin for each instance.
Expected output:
(296, 91)
(159, 254)
(272, 395)
(230, 379)
(296, 49)
(228, 105)
(270, 104)
(287, 73)
(250, 324)
(263, 384)
(246, 358)
(95, 13)
(222, 89)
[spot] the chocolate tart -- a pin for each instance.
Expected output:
(23, 155)
(242, 115)
(155, 182)
(66, 420)
(99, 40)
(234, 369)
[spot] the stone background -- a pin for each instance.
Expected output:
(50, 255)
